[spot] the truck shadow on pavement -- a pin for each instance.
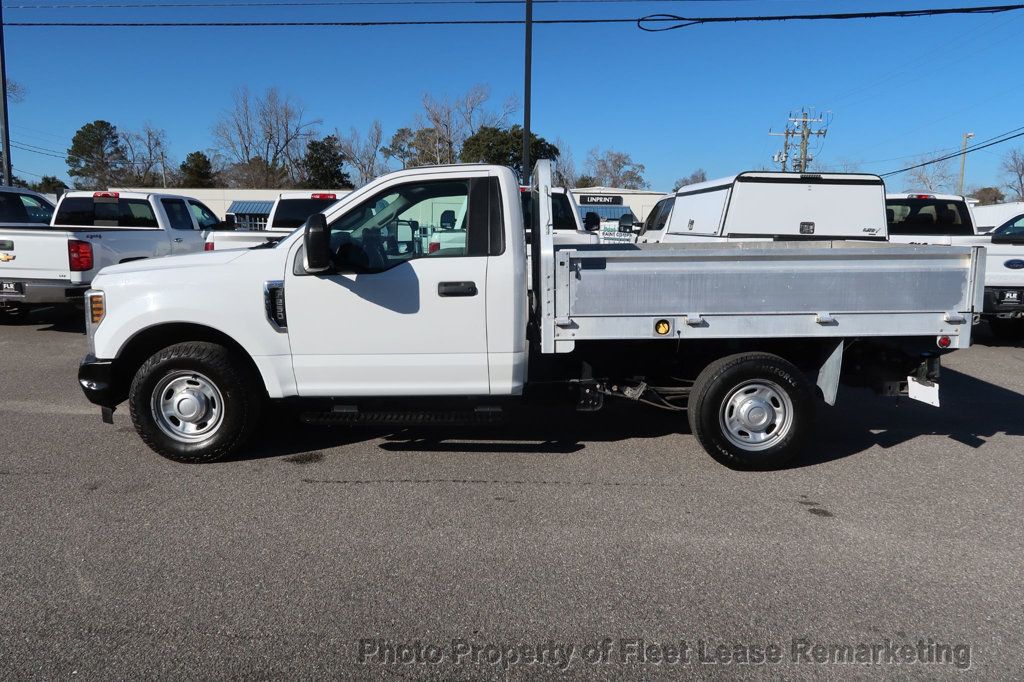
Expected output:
(973, 411)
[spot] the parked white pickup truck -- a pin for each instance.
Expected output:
(54, 264)
(289, 211)
(771, 206)
(358, 328)
(948, 219)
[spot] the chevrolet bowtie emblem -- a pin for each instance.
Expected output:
(7, 257)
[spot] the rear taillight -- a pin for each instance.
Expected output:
(433, 247)
(79, 255)
(208, 246)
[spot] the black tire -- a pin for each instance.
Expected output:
(1007, 329)
(785, 394)
(234, 386)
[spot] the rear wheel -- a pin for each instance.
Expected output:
(195, 402)
(751, 410)
(1009, 329)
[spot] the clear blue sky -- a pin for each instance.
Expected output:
(703, 96)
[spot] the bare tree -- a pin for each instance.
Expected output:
(616, 169)
(445, 123)
(16, 92)
(933, 177)
(564, 170)
(472, 109)
(363, 153)
(264, 137)
(1013, 171)
(146, 151)
(692, 179)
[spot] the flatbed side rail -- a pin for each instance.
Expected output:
(768, 290)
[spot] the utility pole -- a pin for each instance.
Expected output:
(782, 158)
(963, 162)
(798, 127)
(163, 168)
(526, 92)
(5, 132)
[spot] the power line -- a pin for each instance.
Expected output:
(642, 22)
(328, 3)
(984, 144)
(684, 22)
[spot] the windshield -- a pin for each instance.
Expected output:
(607, 213)
(291, 213)
(929, 216)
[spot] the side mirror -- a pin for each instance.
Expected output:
(591, 221)
(625, 222)
(228, 223)
(317, 240)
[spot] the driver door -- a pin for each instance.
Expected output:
(402, 312)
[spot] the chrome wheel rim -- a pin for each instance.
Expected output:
(187, 406)
(756, 415)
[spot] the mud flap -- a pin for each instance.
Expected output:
(828, 375)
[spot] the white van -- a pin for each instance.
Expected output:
(757, 206)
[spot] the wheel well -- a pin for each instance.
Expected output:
(147, 342)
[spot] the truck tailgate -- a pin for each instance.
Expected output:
(765, 289)
(34, 254)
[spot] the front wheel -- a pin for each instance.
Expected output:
(195, 402)
(752, 410)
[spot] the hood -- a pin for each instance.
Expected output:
(191, 260)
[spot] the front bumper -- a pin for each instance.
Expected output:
(96, 377)
(1000, 301)
(43, 292)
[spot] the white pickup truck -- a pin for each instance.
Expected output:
(948, 219)
(54, 264)
(289, 211)
(357, 328)
(761, 205)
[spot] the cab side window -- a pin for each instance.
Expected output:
(427, 219)
(37, 211)
(177, 214)
(205, 218)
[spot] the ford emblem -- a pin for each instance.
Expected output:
(1015, 264)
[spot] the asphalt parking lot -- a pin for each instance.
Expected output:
(371, 553)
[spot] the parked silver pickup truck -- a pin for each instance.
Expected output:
(354, 325)
(54, 264)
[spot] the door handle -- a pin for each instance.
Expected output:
(178, 240)
(456, 289)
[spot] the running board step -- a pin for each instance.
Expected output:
(349, 414)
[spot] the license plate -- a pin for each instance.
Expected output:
(12, 288)
(1010, 297)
